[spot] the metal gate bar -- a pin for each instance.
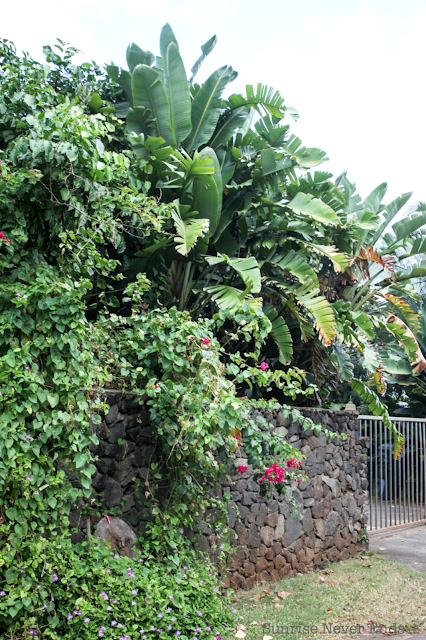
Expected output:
(397, 488)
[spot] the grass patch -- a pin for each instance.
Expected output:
(354, 592)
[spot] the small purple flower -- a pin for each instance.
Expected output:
(45, 606)
(54, 577)
(198, 630)
(17, 294)
(210, 575)
(28, 478)
(104, 595)
(114, 602)
(171, 597)
(116, 556)
(201, 581)
(173, 619)
(207, 628)
(199, 613)
(25, 296)
(37, 493)
(22, 568)
(159, 630)
(33, 633)
(134, 592)
(27, 367)
(169, 627)
(76, 613)
(184, 615)
(184, 566)
(27, 437)
(69, 616)
(181, 530)
(113, 623)
(108, 570)
(109, 608)
(86, 620)
(184, 575)
(169, 609)
(2, 594)
(160, 615)
(174, 550)
(39, 586)
(133, 603)
(119, 625)
(178, 633)
(152, 628)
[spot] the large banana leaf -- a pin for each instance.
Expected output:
(227, 164)
(406, 227)
(123, 78)
(231, 298)
(308, 205)
(177, 90)
(280, 333)
(135, 55)
(343, 361)
(206, 200)
(148, 92)
(378, 408)
(206, 49)
(207, 152)
(206, 108)
(297, 265)
(389, 212)
(374, 200)
(166, 37)
(339, 260)
(321, 310)
(228, 125)
(188, 232)
(247, 269)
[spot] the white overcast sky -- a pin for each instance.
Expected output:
(355, 71)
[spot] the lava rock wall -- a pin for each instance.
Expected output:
(273, 539)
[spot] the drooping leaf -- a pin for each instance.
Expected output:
(343, 361)
(280, 333)
(308, 205)
(247, 269)
(188, 232)
(339, 260)
(231, 298)
(379, 409)
(297, 265)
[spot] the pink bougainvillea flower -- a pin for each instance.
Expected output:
(206, 341)
(264, 366)
(241, 469)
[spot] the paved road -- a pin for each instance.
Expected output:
(408, 547)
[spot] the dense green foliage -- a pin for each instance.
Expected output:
(75, 593)
(158, 238)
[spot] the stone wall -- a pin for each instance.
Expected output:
(273, 540)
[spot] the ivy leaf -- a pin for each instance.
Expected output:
(53, 399)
